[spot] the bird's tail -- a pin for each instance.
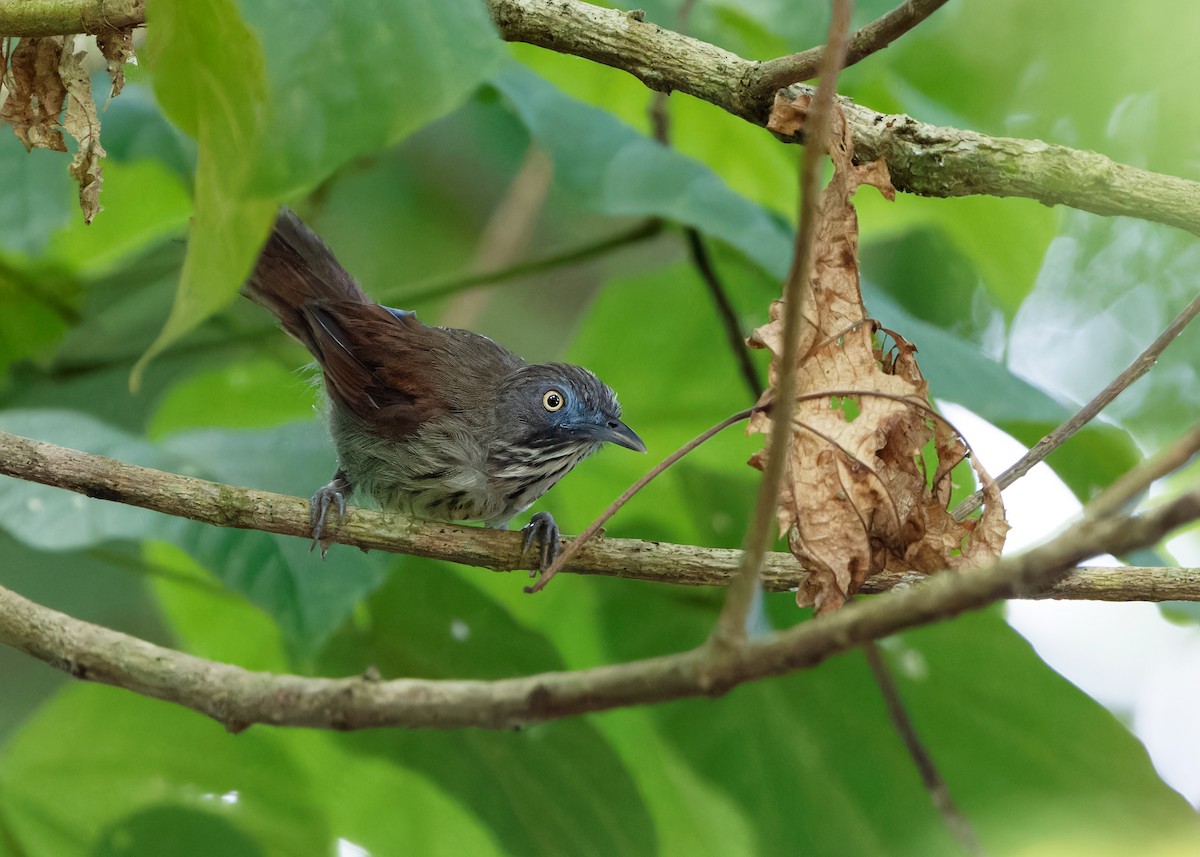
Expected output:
(295, 275)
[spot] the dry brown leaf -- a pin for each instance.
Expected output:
(117, 49)
(857, 497)
(82, 123)
(788, 115)
(35, 93)
(43, 75)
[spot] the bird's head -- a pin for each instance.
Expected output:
(554, 405)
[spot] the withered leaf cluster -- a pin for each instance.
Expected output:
(47, 93)
(868, 472)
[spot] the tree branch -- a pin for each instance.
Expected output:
(1135, 370)
(661, 562)
(939, 793)
(875, 36)
(239, 698)
(923, 159)
(66, 17)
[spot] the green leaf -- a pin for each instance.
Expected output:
(359, 793)
(281, 97)
(1108, 288)
(557, 788)
(348, 78)
(251, 393)
(175, 830)
(1049, 754)
(34, 319)
(144, 203)
(135, 766)
(209, 78)
(609, 167)
(812, 757)
(209, 620)
(39, 196)
(308, 596)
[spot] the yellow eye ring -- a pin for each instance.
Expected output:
(553, 401)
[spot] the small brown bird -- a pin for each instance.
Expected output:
(434, 422)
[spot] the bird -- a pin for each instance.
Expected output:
(437, 423)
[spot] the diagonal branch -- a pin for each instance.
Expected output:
(956, 823)
(1135, 370)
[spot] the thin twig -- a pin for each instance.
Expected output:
(660, 123)
(1088, 412)
(875, 36)
(1132, 483)
(731, 625)
(957, 823)
(445, 286)
(594, 527)
(725, 311)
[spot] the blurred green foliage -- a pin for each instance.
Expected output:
(395, 128)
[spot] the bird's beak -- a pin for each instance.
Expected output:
(615, 431)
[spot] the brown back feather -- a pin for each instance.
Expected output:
(393, 373)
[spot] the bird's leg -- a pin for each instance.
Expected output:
(333, 494)
(542, 530)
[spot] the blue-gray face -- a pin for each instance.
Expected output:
(563, 404)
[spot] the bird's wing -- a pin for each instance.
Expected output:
(381, 364)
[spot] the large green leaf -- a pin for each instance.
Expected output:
(138, 771)
(38, 196)
(144, 203)
(812, 757)
(1108, 288)
(370, 802)
(609, 167)
(557, 788)
(351, 77)
(279, 96)
(209, 78)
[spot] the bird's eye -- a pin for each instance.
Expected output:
(553, 401)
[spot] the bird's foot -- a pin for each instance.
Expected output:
(333, 494)
(542, 530)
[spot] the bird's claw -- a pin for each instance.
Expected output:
(542, 530)
(333, 494)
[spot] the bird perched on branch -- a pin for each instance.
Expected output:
(434, 422)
